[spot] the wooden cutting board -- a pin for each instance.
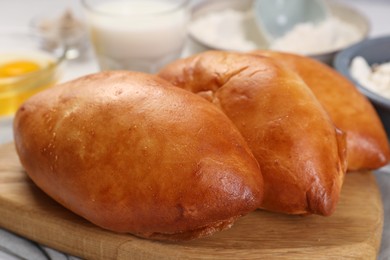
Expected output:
(354, 230)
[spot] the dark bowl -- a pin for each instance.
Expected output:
(375, 51)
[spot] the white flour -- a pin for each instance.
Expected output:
(228, 30)
(375, 78)
(223, 30)
(326, 36)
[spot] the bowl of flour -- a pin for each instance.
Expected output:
(367, 65)
(230, 25)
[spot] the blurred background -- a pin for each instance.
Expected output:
(372, 20)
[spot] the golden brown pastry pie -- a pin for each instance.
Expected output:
(131, 153)
(367, 144)
(300, 152)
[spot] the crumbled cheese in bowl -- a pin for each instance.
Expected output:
(375, 78)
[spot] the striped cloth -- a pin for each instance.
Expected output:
(13, 247)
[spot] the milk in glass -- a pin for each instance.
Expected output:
(136, 35)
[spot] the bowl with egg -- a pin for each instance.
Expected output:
(230, 25)
(367, 65)
(27, 66)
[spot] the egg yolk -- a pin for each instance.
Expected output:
(18, 68)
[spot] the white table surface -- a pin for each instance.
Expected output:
(18, 13)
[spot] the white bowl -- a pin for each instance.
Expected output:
(342, 12)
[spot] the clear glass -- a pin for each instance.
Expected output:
(63, 27)
(138, 35)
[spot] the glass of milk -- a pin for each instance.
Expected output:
(138, 35)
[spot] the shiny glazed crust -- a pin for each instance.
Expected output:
(300, 152)
(367, 145)
(131, 153)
